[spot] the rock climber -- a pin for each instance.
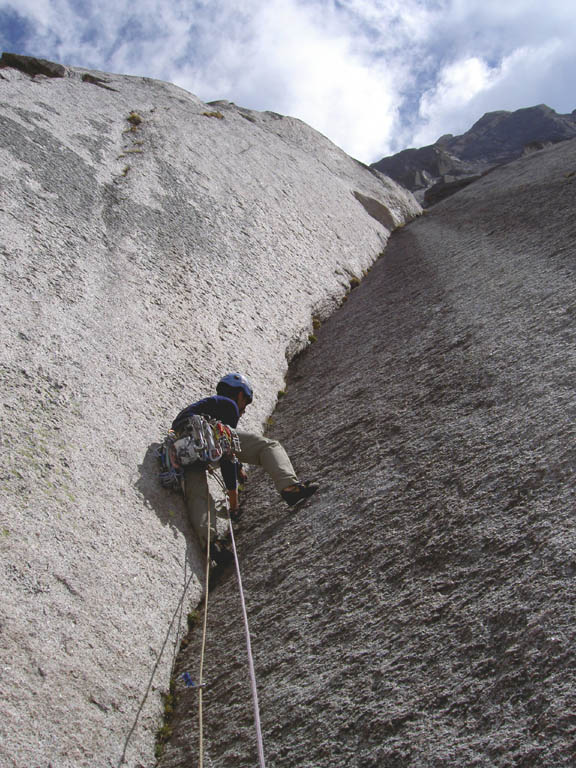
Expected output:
(233, 394)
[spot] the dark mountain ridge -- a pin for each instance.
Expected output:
(436, 170)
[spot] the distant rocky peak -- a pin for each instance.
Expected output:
(496, 138)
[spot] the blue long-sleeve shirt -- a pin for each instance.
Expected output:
(223, 409)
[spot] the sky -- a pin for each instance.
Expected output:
(375, 76)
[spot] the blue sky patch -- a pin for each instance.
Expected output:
(15, 30)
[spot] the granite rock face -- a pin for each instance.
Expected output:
(420, 611)
(440, 169)
(149, 243)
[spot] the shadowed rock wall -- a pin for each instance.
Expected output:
(420, 611)
(149, 244)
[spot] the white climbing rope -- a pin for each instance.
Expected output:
(248, 644)
(253, 685)
(203, 648)
(249, 651)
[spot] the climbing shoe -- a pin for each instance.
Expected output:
(220, 554)
(301, 492)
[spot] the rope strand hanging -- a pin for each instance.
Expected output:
(200, 684)
(249, 652)
(203, 648)
(252, 672)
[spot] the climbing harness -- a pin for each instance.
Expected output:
(204, 440)
(199, 440)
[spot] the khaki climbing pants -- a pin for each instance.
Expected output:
(204, 507)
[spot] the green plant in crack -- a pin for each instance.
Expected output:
(192, 620)
(135, 120)
(164, 733)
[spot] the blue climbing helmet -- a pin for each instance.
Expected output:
(232, 382)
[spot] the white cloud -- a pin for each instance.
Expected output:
(447, 103)
(39, 10)
(372, 75)
(313, 72)
(467, 89)
(313, 60)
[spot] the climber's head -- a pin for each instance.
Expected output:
(237, 388)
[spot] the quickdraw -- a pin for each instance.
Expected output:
(200, 440)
